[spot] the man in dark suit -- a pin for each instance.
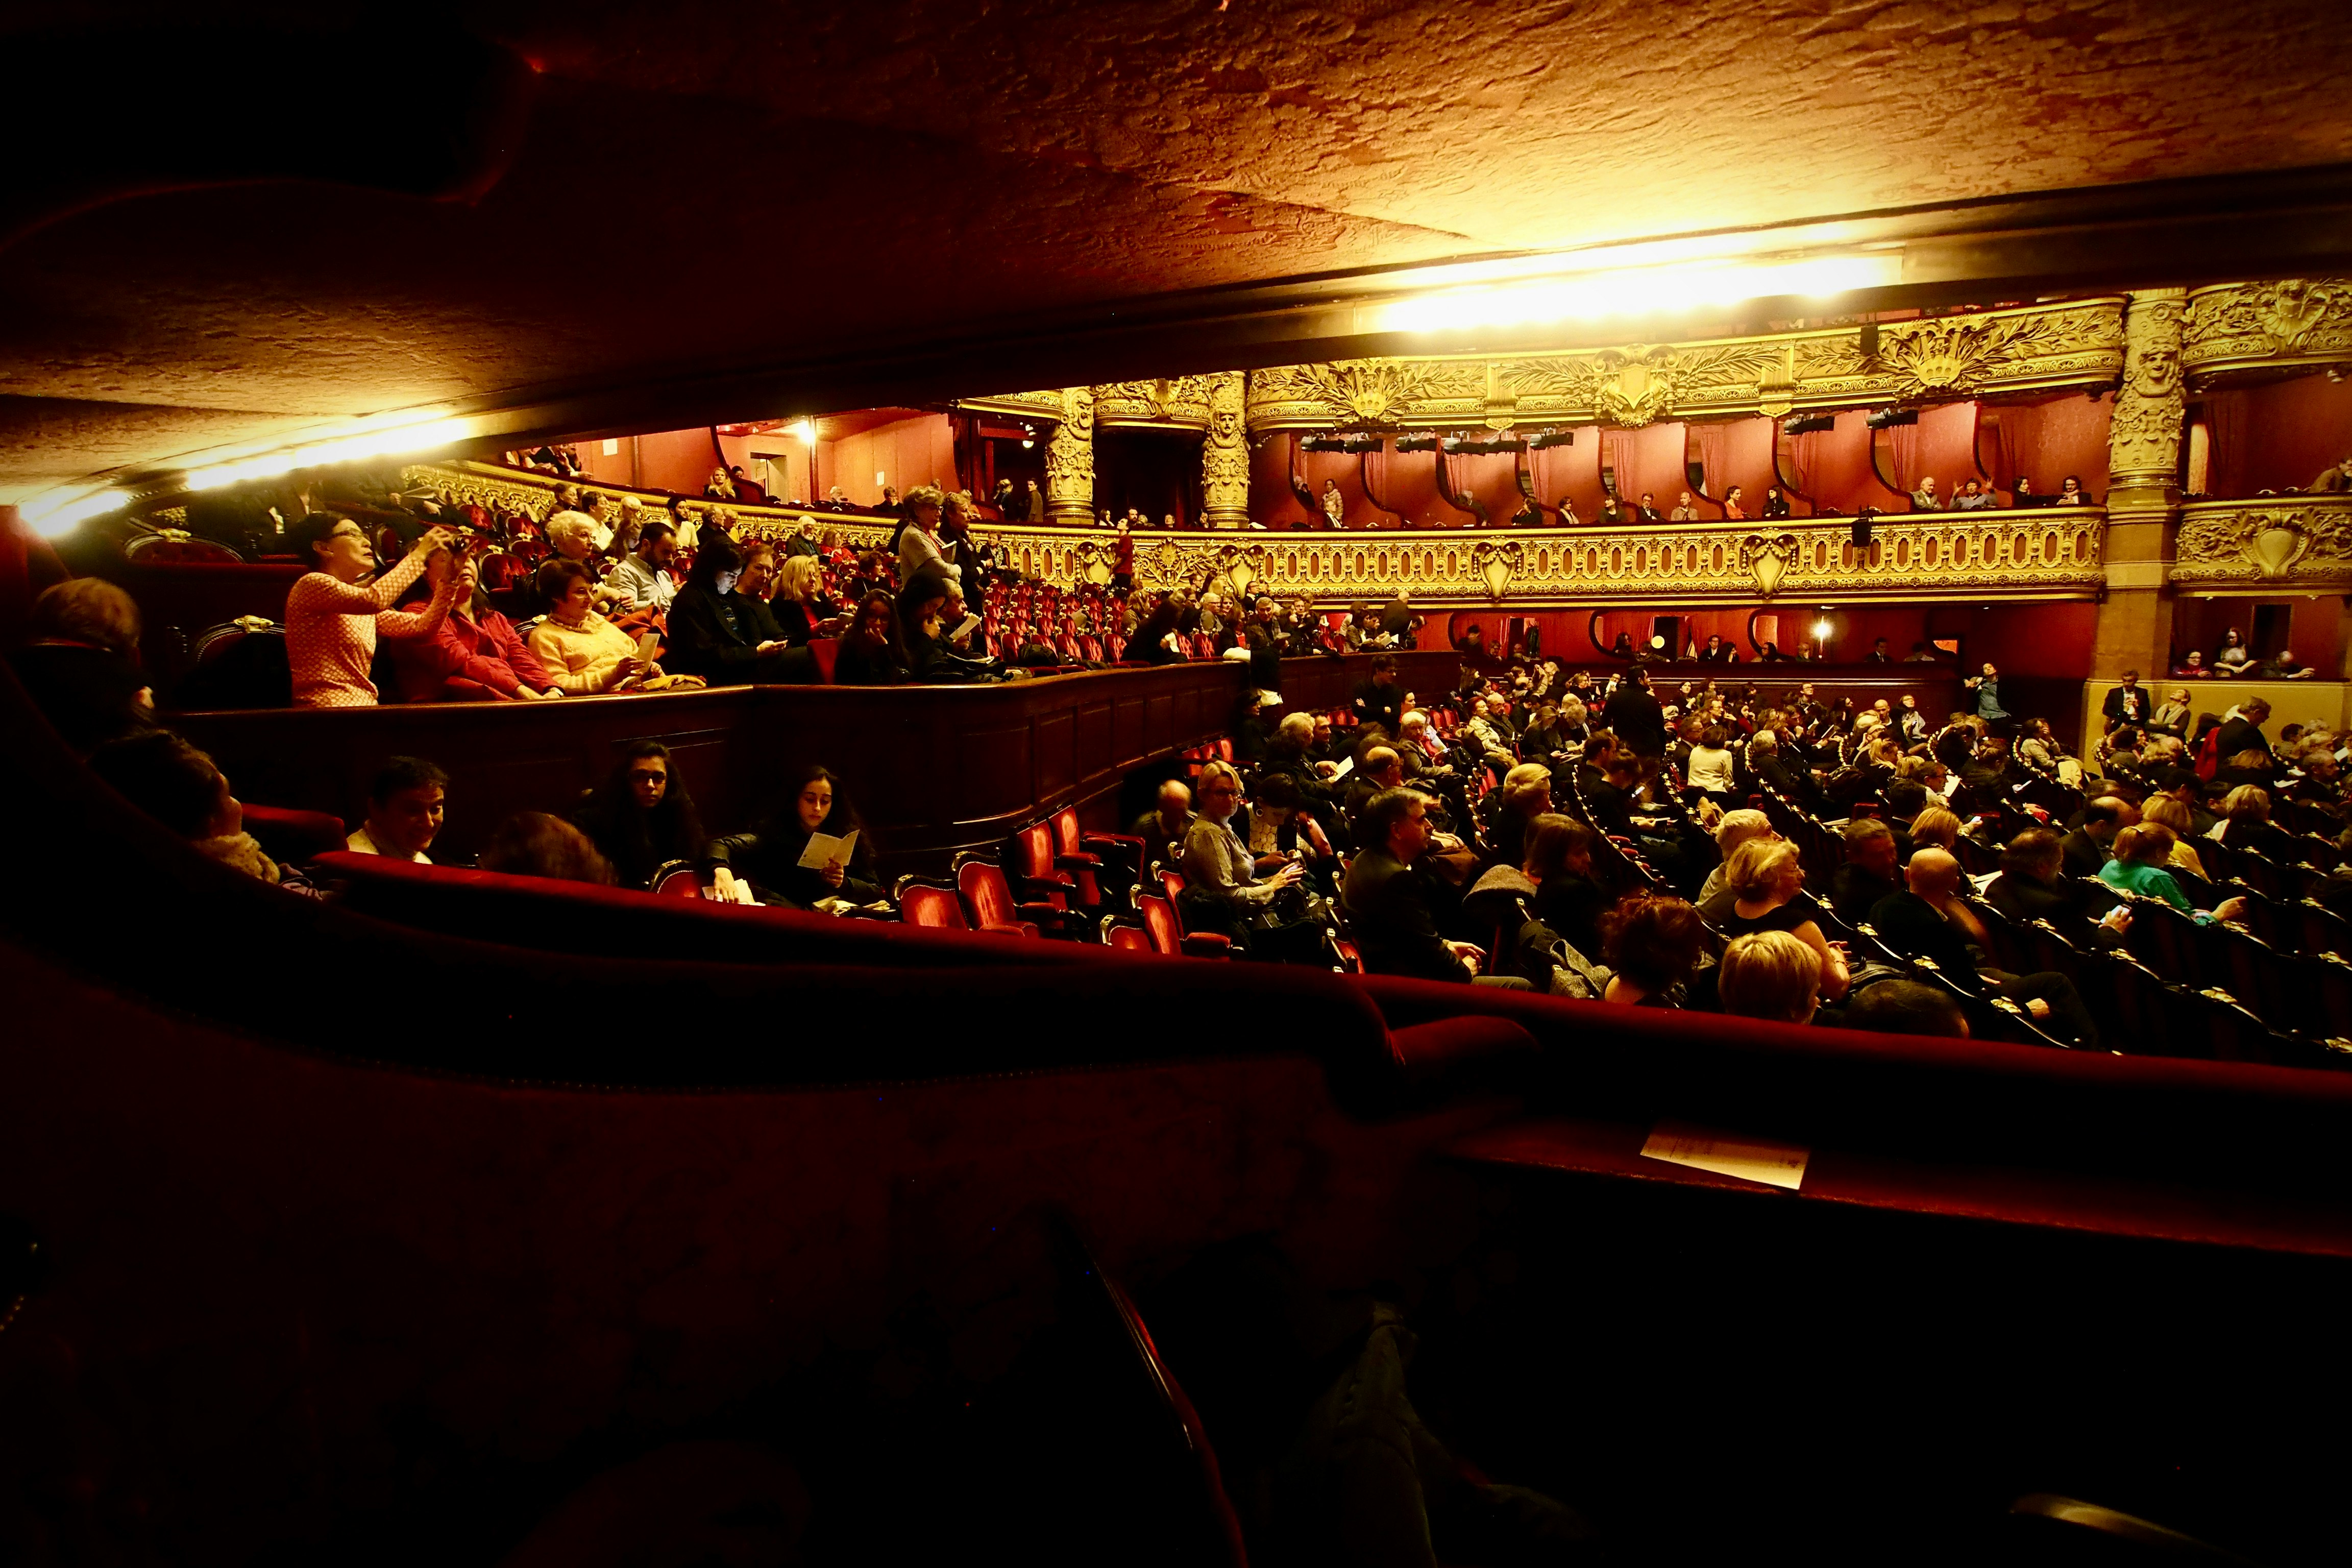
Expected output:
(2085, 850)
(1795, 783)
(1927, 920)
(2126, 704)
(2029, 889)
(2244, 733)
(1635, 712)
(1869, 875)
(1378, 698)
(1648, 510)
(1388, 908)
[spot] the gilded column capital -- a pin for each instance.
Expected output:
(1070, 459)
(1225, 456)
(2144, 441)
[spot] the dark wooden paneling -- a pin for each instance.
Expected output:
(932, 769)
(1054, 742)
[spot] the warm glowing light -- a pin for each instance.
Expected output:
(384, 442)
(804, 431)
(1822, 631)
(56, 513)
(1632, 291)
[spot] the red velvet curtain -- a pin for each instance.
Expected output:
(2227, 428)
(1714, 450)
(1902, 448)
(1617, 459)
(1804, 455)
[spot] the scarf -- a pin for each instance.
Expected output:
(240, 851)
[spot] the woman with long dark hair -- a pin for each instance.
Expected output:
(728, 637)
(871, 653)
(769, 856)
(642, 817)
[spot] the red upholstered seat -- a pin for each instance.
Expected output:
(1127, 938)
(983, 886)
(1161, 929)
(922, 904)
(824, 650)
(286, 835)
(1192, 944)
(676, 880)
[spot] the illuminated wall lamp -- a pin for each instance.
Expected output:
(398, 441)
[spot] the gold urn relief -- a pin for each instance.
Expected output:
(1769, 560)
(2276, 547)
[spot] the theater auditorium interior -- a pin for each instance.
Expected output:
(1209, 780)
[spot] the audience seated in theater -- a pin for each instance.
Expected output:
(2246, 824)
(1558, 858)
(2139, 864)
(1711, 764)
(578, 651)
(769, 856)
(1793, 781)
(925, 628)
(2087, 848)
(472, 654)
(1525, 795)
(642, 817)
(1929, 921)
(1153, 639)
(870, 652)
(1389, 912)
(1221, 889)
(1425, 756)
(2032, 887)
(178, 785)
(1769, 974)
(79, 664)
(331, 621)
(1907, 1007)
(2171, 814)
(719, 628)
(801, 606)
(534, 844)
(1653, 943)
(1279, 824)
(1736, 828)
(1768, 888)
(804, 540)
(642, 580)
(1870, 872)
(1934, 828)
(1163, 828)
(405, 801)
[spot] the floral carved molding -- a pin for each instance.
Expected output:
(2287, 541)
(2242, 330)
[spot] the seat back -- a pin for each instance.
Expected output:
(824, 650)
(1066, 835)
(162, 549)
(676, 880)
(286, 835)
(921, 904)
(1126, 938)
(1034, 850)
(1160, 926)
(983, 886)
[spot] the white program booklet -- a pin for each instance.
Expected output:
(1728, 1154)
(1347, 766)
(824, 848)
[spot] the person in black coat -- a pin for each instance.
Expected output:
(2085, 852)
(1869, 874)
(771, 854)
(1635, 715)
(1388, 911)
(2031, 888)
(870, 653)
(1916, 923)
(642, 817)
(720, 627)
(1378, 698)
(2126, 704)
(1267, 646)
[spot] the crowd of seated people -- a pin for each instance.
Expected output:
(1587, 835)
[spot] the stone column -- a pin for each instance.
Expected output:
(1070, 459)
(1224, 457)
(2143, 490)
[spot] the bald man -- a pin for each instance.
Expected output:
(1929, 919)
(1162, 830)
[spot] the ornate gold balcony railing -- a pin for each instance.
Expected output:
(2269, 545)
(2050, 552)
(2047, 554)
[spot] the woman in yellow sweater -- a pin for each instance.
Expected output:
(582, 651)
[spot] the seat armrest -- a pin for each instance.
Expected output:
(1207, 944)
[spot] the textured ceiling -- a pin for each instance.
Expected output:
(706, 185)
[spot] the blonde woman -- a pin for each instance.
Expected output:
(1765, 881)
(1770, 974)
(1938, 827)
(801, 606)
(2175, 815)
